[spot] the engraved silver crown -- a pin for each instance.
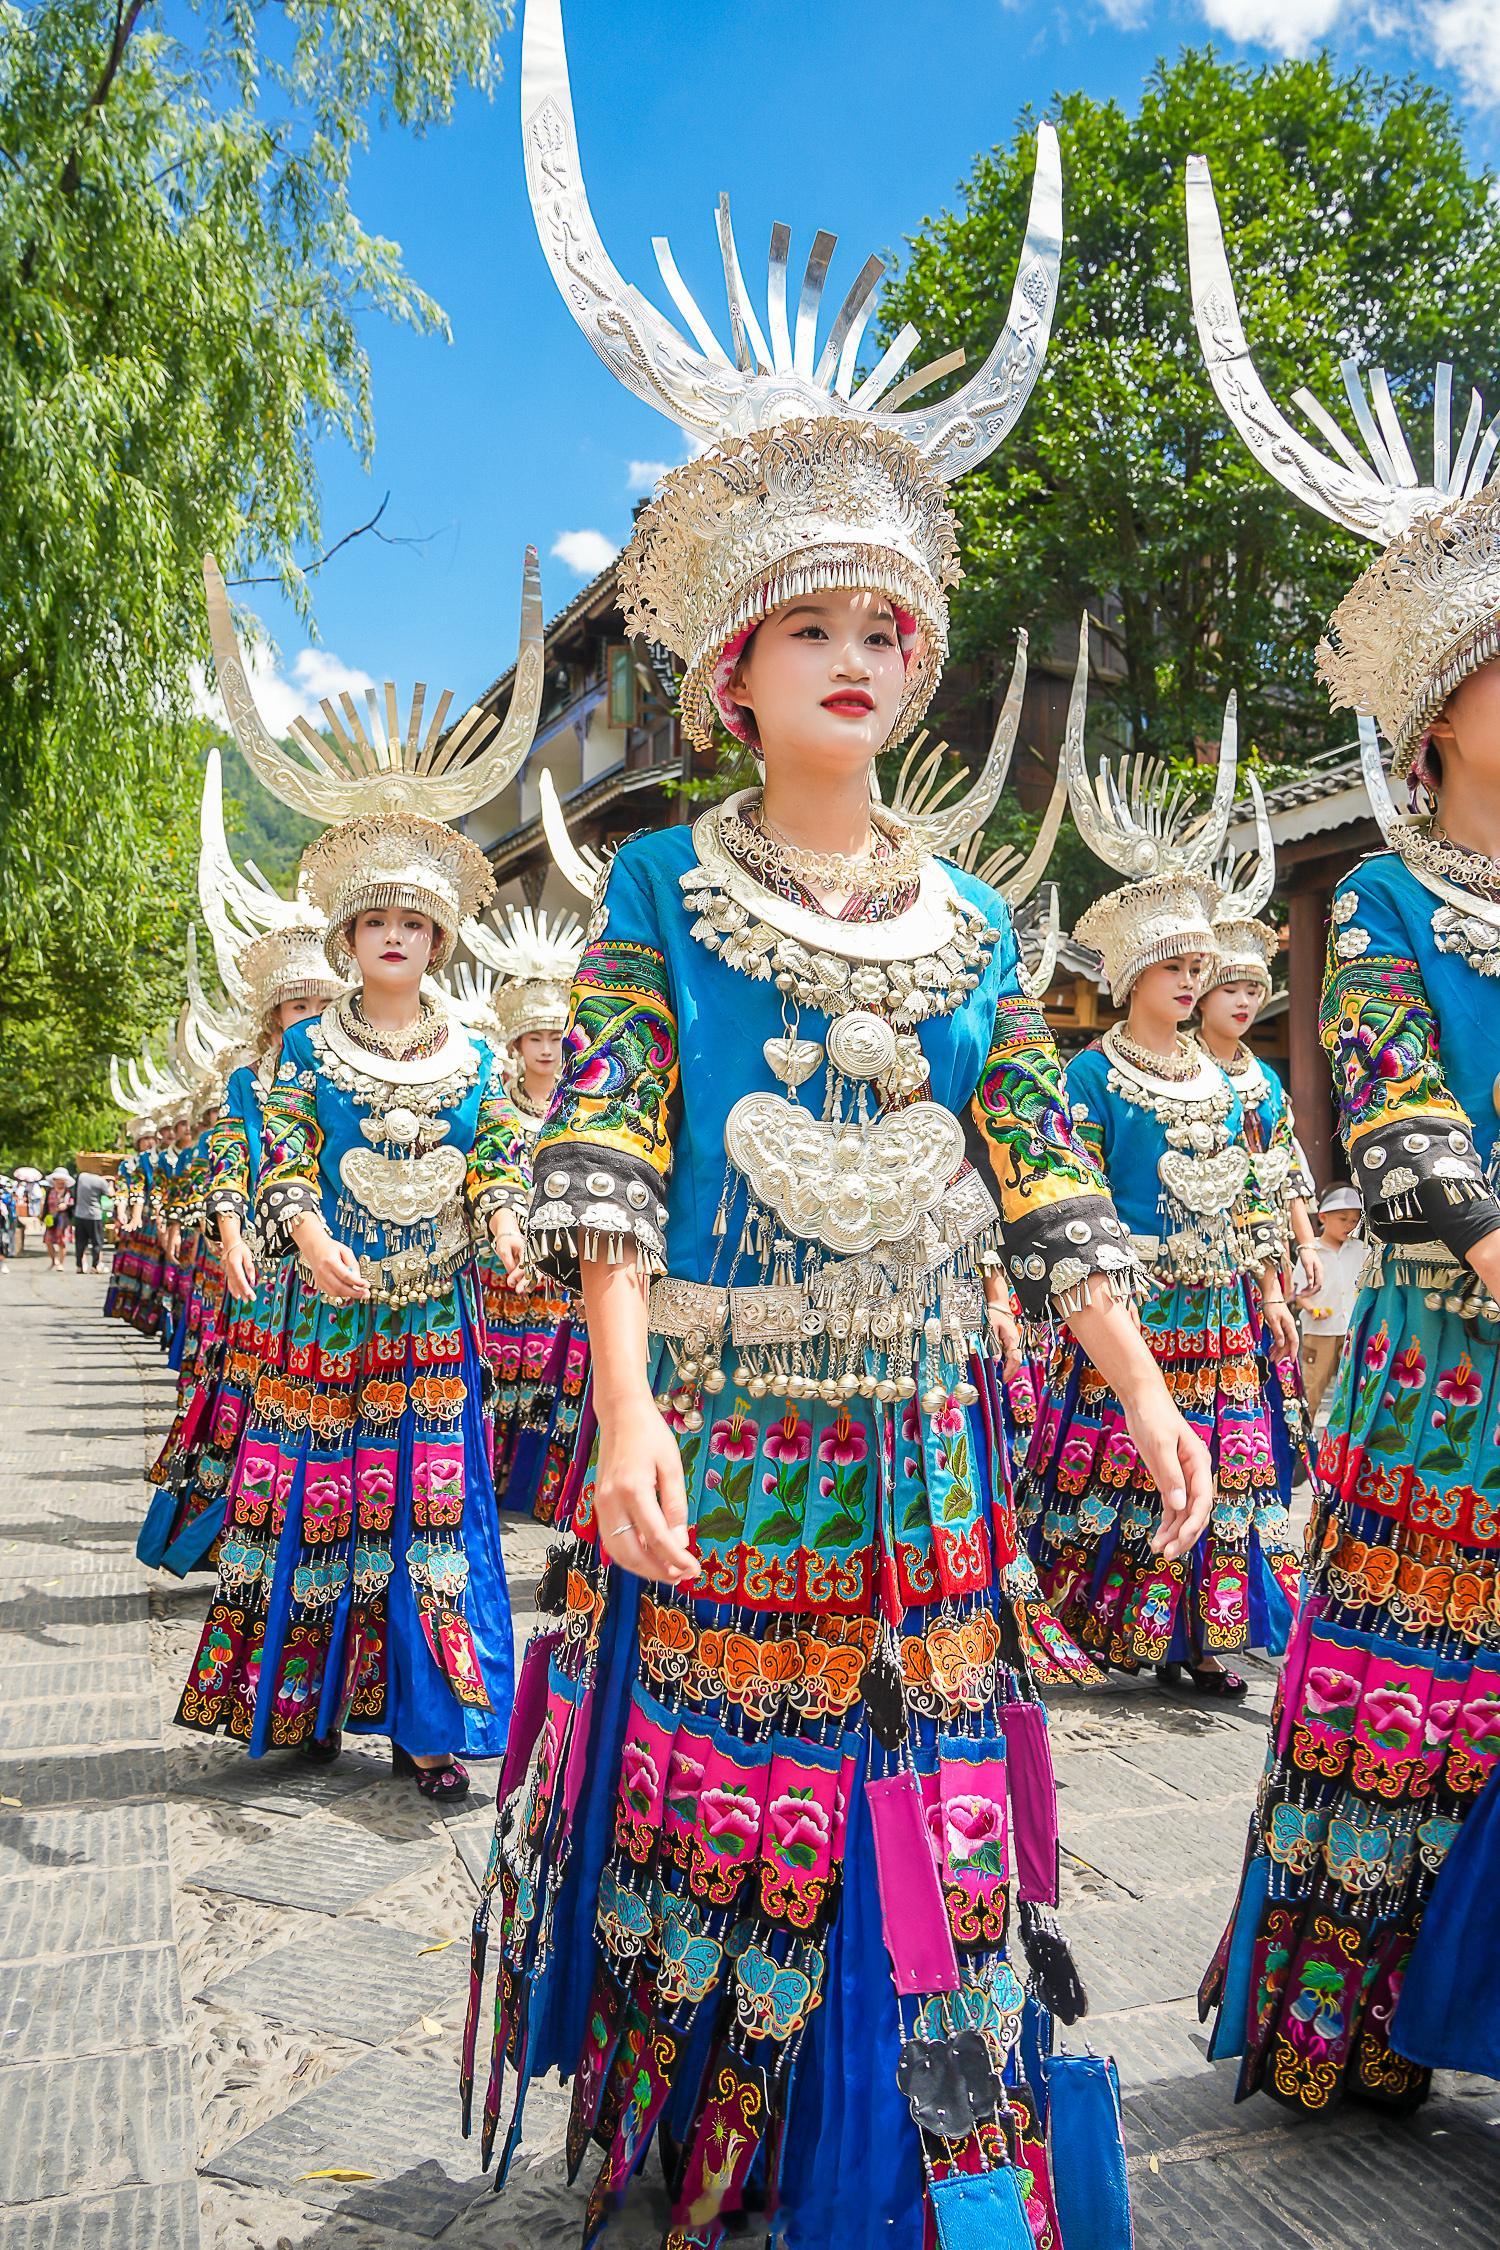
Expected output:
(811, 481)
(388, 783)
(267, 948)
(532, 960)
(1143, 821)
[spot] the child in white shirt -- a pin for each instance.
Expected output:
(1326, 1312)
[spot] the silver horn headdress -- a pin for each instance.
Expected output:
(268, 948)
(389, 783)
(811, 481)
(1247, 945)
(1016, 874)
(1143, 821)
(135, 1100)
(1427, 612)
(532, 959)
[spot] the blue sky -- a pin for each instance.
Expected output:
(861, 118)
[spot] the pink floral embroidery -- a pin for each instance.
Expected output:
(731, 1821)
(1409, 1367)
(784, 1444)
(1330, 1692)
(1076, 1455)
(800, 1827)
(736, 1439)
(1460, 1386)
(843, 1443)
(1119, 1450)
(1482, 1722)
(972, 1822)
(1393, 1715)
(639, 1775)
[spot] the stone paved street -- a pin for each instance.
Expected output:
(223, 1985)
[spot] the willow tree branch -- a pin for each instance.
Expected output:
(390, 538)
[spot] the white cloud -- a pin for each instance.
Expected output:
(1290, 27)
(645, 476)
(1465, 35)
(1458, 35)
(1125, 15)
(586, 552)
(282, 696)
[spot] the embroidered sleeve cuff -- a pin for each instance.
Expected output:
(501, 1195)
(1054, 1254)
(594, 1202)
(230, 1199)
(1267, 1237)
(281, 1202)
(1424, 1178)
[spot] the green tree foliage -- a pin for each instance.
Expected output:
(181, 277)
(1356, 227)
(260, 827)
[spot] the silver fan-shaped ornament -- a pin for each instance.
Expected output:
(776, 371)
(1142, 819)
(1379, 494)
(376, 761)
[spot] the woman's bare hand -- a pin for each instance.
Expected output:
(640, 1500)
(1177, 1461)
(239, 1271)
(507, 1243)
(334, 1268)
(1006, 1330)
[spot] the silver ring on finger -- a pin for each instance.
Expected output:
(618, 1528)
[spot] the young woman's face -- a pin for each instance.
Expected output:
(824, 678)
(1230, 1009)
(301, 1010)
(1170, 988)
(182, 1131)
(1469, 729)
(392, 946)
(540, 1053)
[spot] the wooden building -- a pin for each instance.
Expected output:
(609, 737)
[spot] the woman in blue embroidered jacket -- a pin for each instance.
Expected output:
(286, 978)
(791, 1694)
(1238, 987)
(537, 1342)
(1364, 1948)
(127, 1274)
(360, 1576)
(1166, 1129)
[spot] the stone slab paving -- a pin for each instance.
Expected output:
(220, 1978)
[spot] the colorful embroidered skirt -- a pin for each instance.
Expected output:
(187, 1515)
(1291, 1423)
(181, 1277)
(360, 1576)
(1388, 1718)
(198, 1366)
(1088, 1507)
(761, 1862)
(127, 1269)
(145, 1307)
(538, 1349)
